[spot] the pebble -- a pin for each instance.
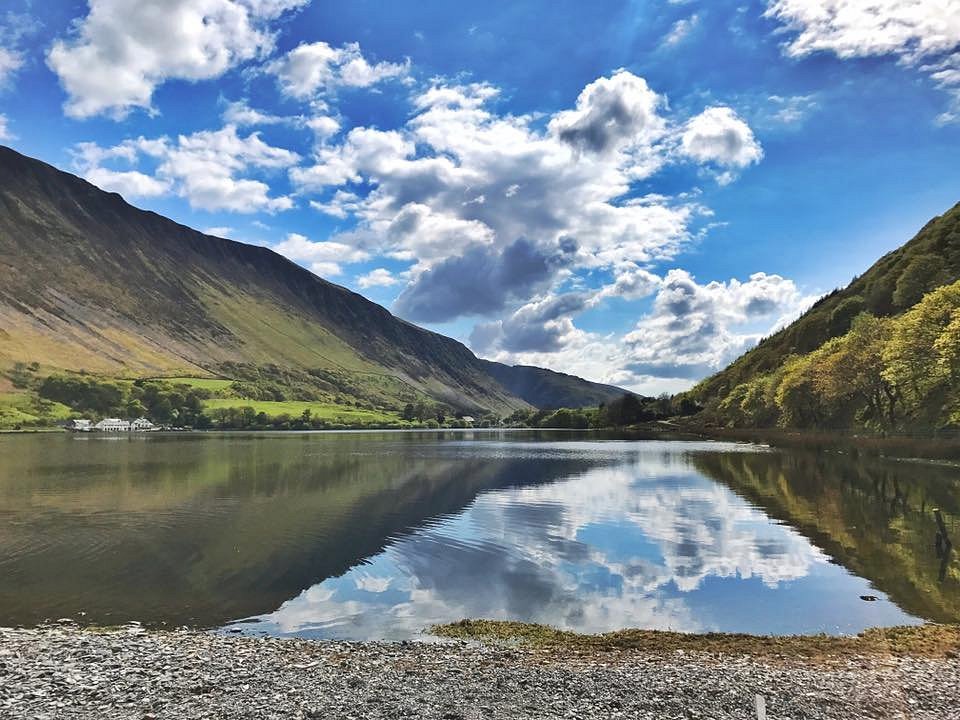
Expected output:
(63, 672)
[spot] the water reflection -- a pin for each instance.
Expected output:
(649, 542)
(379, 535)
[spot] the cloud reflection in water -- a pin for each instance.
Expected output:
(649, 542)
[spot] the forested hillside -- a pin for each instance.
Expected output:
(881, 354)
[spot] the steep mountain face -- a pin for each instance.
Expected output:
(91, 283)
(892, 288)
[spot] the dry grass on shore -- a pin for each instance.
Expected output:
(923, 641)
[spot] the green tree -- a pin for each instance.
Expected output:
(924, 273)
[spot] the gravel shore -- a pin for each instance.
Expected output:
(65, 672)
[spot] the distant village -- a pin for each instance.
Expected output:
(112, 425)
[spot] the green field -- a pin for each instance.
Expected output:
(22, 408)
(214, 385)
(318, 410)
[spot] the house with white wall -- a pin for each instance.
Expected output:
(112, 425)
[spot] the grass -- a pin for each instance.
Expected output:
(932, 641)
(318, 410)
(216, 385)
(22, 409)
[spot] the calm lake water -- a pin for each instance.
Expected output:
(379, 535)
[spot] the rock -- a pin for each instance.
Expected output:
(64, 672)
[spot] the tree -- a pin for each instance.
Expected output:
(796, 396)
(843, 314)
(924, 273)
(913, 365)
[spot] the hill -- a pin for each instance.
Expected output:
(855, 359)
(95, 285)
(548, 389)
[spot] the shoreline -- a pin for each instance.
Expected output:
(64, 671)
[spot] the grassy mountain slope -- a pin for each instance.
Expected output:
(893, 285)
(92, 283)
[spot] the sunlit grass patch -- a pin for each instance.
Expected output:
(328, 412)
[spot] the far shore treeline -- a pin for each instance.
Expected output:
(208, 403)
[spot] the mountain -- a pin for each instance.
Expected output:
(549, 389)
(905, 303)
(91, 283)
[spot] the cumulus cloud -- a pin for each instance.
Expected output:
(90, 159)
(544, 325)
(479, 281)
(378, 277)
(123, 49)
(324, 258)
(719, 136)
(314, 68)
(459, 188)
(204, 167)
(916, 33)
(693, 330)
(690, 331)
(631, 282)
(611, 113)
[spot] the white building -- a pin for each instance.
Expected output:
(112, 425)
(468, 419)
(142, 425)
(79, 425)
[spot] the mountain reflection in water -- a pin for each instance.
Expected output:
(378, 535)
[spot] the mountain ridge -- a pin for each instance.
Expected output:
(96, 284)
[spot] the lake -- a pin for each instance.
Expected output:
(378, 535)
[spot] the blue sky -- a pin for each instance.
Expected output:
(630, 191)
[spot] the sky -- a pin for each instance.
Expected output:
(635, 192)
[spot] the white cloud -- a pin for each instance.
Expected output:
(129, 183)
(378, 277)
(459, 185)
(10, 62)
(240, 114)
(495, 212)
(123, 49)
(5, 133)
(718, 135)
(323, 126)
(204, 167)
(90, 158)
(611, 113)
(324, 258)
(219, 230)
(631, 282)
(314, 68)
(542, 325)
(919, 33)
(681, 29)
(693, 330)
(793, 109)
